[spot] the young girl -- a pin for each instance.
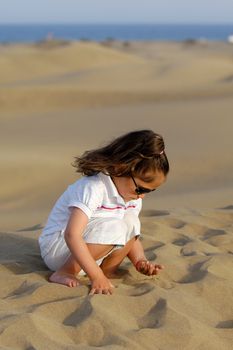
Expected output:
(94, 225)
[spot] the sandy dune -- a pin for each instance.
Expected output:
(189, 306)
(57, 101)
(89, 74)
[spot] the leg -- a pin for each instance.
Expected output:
(118, 229)
(66, 274)
(113, 260)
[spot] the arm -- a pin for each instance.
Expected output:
(139, 260)
(137, 252)
(73, 236)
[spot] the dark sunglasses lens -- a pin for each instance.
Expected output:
(141, 190)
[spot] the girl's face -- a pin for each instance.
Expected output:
(127, 186)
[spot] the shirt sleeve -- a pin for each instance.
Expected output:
(88, 196)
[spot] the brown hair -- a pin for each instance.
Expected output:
(135, 153)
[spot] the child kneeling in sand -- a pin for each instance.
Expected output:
(94, 225)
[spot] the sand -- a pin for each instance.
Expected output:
(57, 101)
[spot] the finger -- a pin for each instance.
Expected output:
(105, 291)
(157, 270)
(161, 267)
(98, 291)
(95, 291)
(110, 290)
(144, 267)
(74, 284)
(151, 269)
(92, 292)
(148, 267)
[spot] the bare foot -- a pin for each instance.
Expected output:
(64, 278)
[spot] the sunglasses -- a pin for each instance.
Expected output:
(141, 190)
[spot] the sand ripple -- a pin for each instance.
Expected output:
(189, 306)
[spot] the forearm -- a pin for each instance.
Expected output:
(74, 240)
(82, 255)
(137, 252)
(139, 260)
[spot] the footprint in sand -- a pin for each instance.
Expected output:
(195, 273)
(89, 325)
(141, 289)
(188, 250)
(225, 324)
(228, 207)
(150, 255)
(156, 316)
(193, 277)
(31, 228)
(79, 315)
(149, 213)
(175, 223)
(218, 238)
(182, 240)
(212, 233)
(25, 289)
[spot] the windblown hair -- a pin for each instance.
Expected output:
(135, 153)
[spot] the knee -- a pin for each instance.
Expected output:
(131, 241)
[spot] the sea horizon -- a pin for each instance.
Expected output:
(32, 32)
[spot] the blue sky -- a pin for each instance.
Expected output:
(117, 11)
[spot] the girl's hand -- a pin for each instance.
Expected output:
(147, 268)
(101, 285)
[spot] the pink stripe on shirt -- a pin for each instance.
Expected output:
(115, 208)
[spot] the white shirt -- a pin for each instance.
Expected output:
(96, 196)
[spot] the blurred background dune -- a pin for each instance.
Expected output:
(60, 98)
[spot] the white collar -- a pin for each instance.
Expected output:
(110, 186)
